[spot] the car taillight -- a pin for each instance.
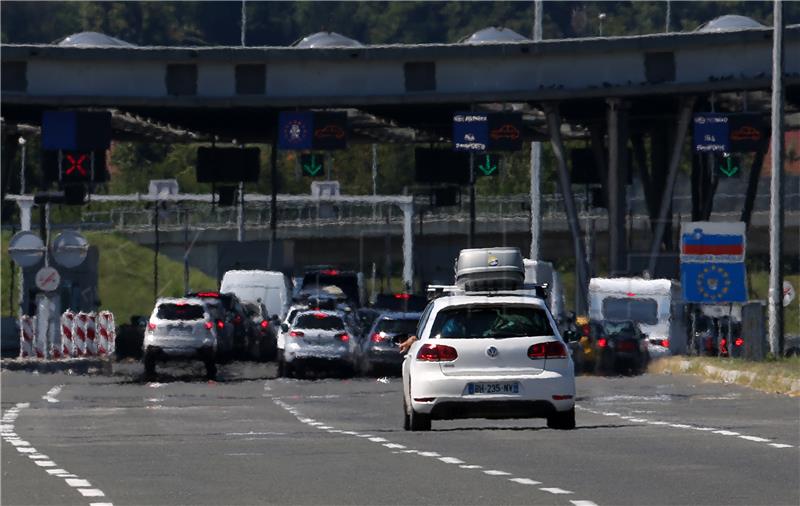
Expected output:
(376, 338)
(436, 353)
(723, 342)
(402, 296)
(296, 333)
(264, 324)
(602, 342)
(665, 343)
(209, 325)
(343, 337)
(550, 349)
(151, 326)
(739, 341)
(237, 319)
(220, 324)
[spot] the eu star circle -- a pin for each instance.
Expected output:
(714, 282)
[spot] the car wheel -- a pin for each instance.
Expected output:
(211, 369)
(149, 363)
(419, 421)
(406, 418)
(562, 420)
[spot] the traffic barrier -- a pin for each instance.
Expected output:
(67, 334)
(39, 338)
(26, 336)
(80, 334)
(106, 335)
(91, 334)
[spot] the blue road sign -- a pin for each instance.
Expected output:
(712, 262)
(470, 131)
(295, 130)
(711, 133)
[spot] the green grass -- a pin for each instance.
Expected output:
(126, 276)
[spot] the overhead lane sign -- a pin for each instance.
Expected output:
(711, 133)
(306, 130)
(712, 262)
(480, 132)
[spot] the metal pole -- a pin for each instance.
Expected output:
(668, 16)
(240, 214)
(536, 201)
(471, 237)
(185, 251)
(22, 166)
(273, 206)
(244, 22)
(374, 169)
(565, 185)
(616, 214)
(537, 20)
(775, 302)
(47, 234)
(408, 246)
(666, 198)
(157, 248)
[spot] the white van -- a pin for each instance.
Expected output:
(539, 272)
(655, 304)
(268, 287)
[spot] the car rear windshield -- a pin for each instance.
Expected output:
(626, 328)
(638, 310)
(178, 311)
(494, 320)
(252, 309)
(319, 321)
(401, 302)
(404, 326)
(346, 282)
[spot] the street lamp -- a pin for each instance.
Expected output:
(601, 17)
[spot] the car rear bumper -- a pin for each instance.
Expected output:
(538, 395)
(377, 356)
(294, 353)
(183, 352)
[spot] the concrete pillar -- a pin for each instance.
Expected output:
(617, 180)
(408, 245)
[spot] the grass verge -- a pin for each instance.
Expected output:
(774, 376)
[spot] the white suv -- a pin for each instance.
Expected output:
(488, 355)
(182, 329)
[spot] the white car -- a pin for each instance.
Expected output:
(481, 355)
(317, 340)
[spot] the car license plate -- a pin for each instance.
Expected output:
(180, 330)
(492, 388)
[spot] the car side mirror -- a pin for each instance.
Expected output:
(570, 335)
(284, 327)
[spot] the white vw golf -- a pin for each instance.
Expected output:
(479, 356)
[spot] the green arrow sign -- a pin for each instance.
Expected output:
(489, 165)
(728, 168)
(310, 165)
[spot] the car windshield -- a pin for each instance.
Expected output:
(319, 321)
(391, 326)
(346, 282)
(180, 311)
(638, 310)
(496, 320)
(614, 328)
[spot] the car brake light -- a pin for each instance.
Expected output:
(237, 319)
(403, 296)
(602, 342)
(436, 353)
(296, 333)
(264, 324)
(320, 316)
(151, 326)
(550, 349)
(739, 341)
(209, 325)
(330, 272)
(220, 324)
(376, 338)
(343, 337)
(208, 294)
(665, 343)
(723, 342)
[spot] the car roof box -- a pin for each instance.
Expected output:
(487, 269)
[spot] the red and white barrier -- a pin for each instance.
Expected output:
(67, 334)
(26, 336)
(106, 334)
(80, 334)
(91, 334)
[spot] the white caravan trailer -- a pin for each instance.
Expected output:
(655, 304)
(269, 287)
(539, 272)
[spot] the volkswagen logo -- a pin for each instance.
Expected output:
(492, 352)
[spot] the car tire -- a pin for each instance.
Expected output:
(406, 417)
(283, 367)
(211, 369)
(149, 363)
(418, 421)
(562, 420)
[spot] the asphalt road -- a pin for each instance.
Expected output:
(252, 439)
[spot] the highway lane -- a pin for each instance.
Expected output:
(254, 439)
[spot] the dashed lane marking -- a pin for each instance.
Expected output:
(495, 472)
(525, 481)
(78, 482)
(451, 460)
(91, 492)
(583, 503)
(554, 490)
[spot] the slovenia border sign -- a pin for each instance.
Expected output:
(712, 262)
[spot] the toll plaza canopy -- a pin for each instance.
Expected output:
(393, 93)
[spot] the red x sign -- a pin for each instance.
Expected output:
(76, 165)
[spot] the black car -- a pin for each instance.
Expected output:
(262, 335)
(232, 320)
(379, 349)
(620, 347)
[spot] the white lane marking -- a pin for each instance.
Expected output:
(56, 471)
(38, 456)
(712, 430)
(324, 427)
(525, 481)
(451, 460)
(378, 440)
(470, 466)
(583, 503)
(394, 445)
(429, 454)
(554, 490)
(410, 451)
(67, 475)
(78, 483)
(100, 504)
(21, 442)
(91, 492)
(44, 463)
(50, 396)
(350, 433)
(638, 420)
(251, 433)
(363, 435)
(495, 472)
(26, 449)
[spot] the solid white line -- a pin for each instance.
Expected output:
(470, 466)
(494, 472)
(525, 481)
(101, 504)
(583, 503)
(91, 492)
(451, 460)
(726, 433)
(364, 435)
(350, 433)
(78, 483)
(555, 490)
